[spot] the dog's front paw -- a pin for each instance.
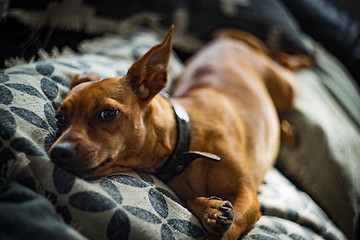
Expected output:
(218, 216)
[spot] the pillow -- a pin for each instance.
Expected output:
(130, 205)
(326, 161)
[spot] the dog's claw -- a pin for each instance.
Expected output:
(229, 205)
(229, 215)
(222, 208)
(221, 219)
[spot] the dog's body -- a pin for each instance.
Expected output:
(228, 89)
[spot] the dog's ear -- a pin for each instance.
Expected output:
(148, 75)
(85, 77)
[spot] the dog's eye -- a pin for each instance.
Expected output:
(61, 120)
(108, 113)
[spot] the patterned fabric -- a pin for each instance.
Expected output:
(131, 205)
(122, 206)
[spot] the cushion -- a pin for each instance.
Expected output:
(129, 205)
(326, 161)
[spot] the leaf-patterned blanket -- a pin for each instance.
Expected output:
(131, 205)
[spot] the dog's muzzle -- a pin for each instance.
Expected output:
(63, 153)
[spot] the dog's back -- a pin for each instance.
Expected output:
(244, 74)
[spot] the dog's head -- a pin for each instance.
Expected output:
(103, 123)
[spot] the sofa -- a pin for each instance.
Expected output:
(313, 192)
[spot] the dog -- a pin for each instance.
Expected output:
(211, 142)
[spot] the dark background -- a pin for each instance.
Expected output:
(333, 23)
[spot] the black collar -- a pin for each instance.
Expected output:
(181, 157)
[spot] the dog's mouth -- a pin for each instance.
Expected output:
(104, 168)
(104, 163)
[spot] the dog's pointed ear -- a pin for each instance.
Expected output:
(149, 74)
(85, 77)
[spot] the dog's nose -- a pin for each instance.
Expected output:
(63, 153)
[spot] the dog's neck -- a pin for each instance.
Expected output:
(176, 163)
(180, 156)
(161, 132)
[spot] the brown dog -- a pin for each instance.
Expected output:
(229, 90)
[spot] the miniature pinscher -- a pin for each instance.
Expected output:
(211, 142)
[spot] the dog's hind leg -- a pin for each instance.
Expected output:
(281, 84)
